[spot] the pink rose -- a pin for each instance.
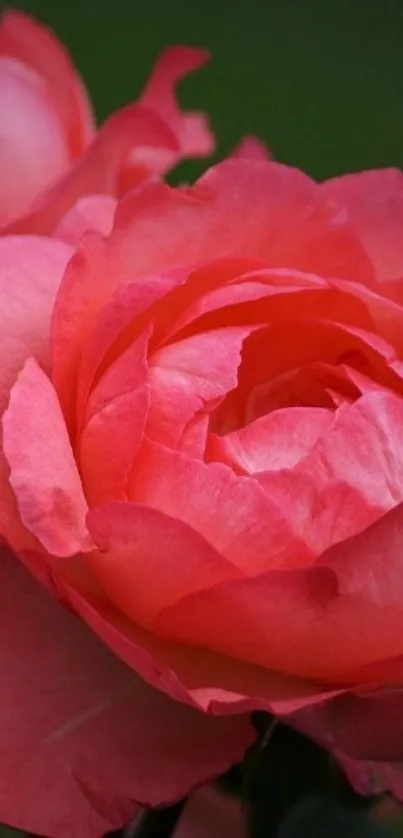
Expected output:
(52, 155)
(202, 457)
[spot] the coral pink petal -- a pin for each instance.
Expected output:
(98, 169)
(251, 148)
(190, 377)
(240, 208)
(87, 730)
(251, 529)
(119, 323)
(24, 38)
(278, 440)
(192, 130)
(43, 472)
(94, 212)
(350, 478)
(318, 622)
(370, 778)
(33, 146)
(366, 725)
(147, 560)
(210, 682)
(116, 416)
(365, 441)
(374, 201)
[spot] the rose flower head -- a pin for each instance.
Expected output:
(202, 443)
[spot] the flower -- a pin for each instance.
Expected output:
(202, 443)
(51, 153)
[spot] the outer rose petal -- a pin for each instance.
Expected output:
(364, 726)
(203, 679)
(31, 269)
(33, 147)
(251, 148)
(30, 272)
(375, 206)
(87, 730)
(320, 622)
(147, 560)
(240, 208)
(94, 212)
(192, 131)
(43, 472)
(98, 169)
(24, 38)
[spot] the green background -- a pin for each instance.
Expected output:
(320, 82)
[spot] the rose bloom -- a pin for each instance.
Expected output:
(202, 458)
(51, 154)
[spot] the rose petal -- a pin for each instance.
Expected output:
(192, 130)
(34, 150)
(201, 678)
(279, 440)
(246, 526)
(251, 148)
(94, 212)
(191, 377)
(87, 730)
(30, 272)
(318, 622)
(116, 416)
(241, 208)
(43, 472)
(147, 560)
(24, 38)
(98, 168)
(374, 201)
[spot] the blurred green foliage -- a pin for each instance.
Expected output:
(320, 82)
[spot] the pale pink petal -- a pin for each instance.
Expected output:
(363, 449)
(81, 737)
(98, 169)
(43, 472)
(190, 377)
(30, 272)
(147, 560)
(24, 38)
(31, 269)
(241, 521)
(94, 212)
(279, 440)
(33, 147)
